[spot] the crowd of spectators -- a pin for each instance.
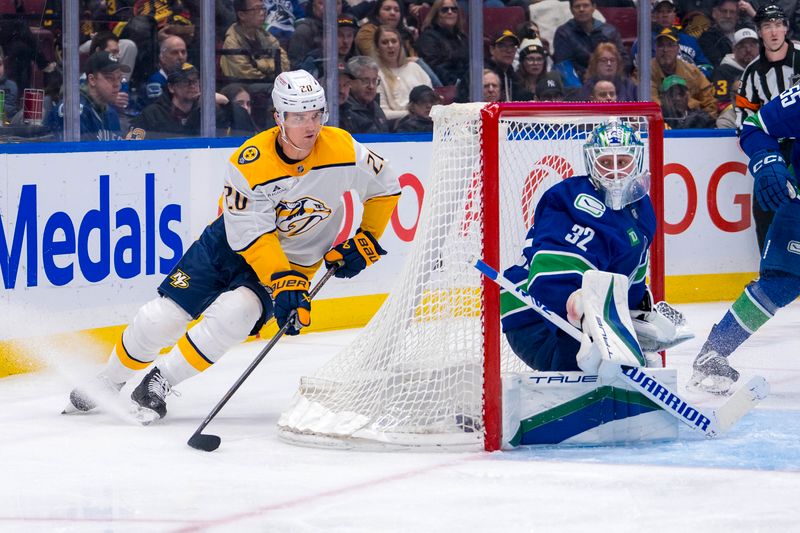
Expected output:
(396, 59)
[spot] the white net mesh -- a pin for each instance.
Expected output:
(414, 376)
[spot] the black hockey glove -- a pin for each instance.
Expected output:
(774, 184)
(354, 255)
(290, 293)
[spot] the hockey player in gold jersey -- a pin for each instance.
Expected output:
(282, 209)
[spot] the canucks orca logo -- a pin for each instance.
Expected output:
(249, 155)
(296, 218)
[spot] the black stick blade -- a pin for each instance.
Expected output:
(207, 443)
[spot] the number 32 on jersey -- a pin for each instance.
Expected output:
(580, 236)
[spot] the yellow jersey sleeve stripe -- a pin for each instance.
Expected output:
(266, 256)
(126, 359)
(377, 212)
(192, 354)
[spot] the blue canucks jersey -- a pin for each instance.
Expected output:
(777, 119)
(574, 231)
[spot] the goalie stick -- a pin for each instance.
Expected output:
(712, 424)
(209, 443)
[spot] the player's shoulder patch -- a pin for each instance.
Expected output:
(248, 155)
(589, 204)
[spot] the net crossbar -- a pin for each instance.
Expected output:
(415, 377)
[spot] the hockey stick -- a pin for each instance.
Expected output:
(209, 443)
(716, 422)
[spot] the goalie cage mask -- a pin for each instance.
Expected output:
(614, 156)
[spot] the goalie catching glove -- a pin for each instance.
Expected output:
(660, 326)
(290, 293)
(354, 255)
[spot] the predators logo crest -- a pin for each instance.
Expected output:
(296, 218)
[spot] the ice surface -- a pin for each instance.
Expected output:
(101, 472)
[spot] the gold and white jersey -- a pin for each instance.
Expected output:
(278, 213)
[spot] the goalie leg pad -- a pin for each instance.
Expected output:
(607, 320)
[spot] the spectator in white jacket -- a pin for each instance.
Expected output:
(398, 74)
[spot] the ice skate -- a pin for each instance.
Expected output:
(84, 398)
(148, 397)
(712, 374)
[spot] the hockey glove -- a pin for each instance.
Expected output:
(660, 326)
(774, 184)
(290, 293)
(354, 255)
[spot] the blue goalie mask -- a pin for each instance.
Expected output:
(614, 155)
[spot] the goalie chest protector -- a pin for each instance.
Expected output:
(574, 231)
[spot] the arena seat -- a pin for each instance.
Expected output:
(624, 19)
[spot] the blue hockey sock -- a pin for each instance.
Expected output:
(749, 312)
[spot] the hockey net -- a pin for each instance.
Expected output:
(425, 372)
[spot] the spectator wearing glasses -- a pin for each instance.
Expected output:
(363, 110)
(261, 57)
(177, 112)
(99, 120)
(445, 47)
(398, 75)
(532, 66)
(666, 63)
(502, 52)
(605, 63)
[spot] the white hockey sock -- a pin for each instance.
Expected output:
(158, 323)
(226, 323)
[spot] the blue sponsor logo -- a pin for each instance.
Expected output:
(63, 244)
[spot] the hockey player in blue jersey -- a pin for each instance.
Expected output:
(778, 281)
(604, 221)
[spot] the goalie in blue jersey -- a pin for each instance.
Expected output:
(778, 281)
(602, 222)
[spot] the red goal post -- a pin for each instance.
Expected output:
(491, 116)
(425, 373)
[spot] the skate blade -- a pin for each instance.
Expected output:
(72, 410)
(143, 415)
(716, 387)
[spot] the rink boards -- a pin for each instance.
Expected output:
(87, 234)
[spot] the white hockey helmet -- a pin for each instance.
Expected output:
(622, 176)
(298, 91)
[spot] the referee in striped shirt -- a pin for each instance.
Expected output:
(774, 71)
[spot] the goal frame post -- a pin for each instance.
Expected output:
(490, 116)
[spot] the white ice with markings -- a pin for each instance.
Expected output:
(104, 472)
